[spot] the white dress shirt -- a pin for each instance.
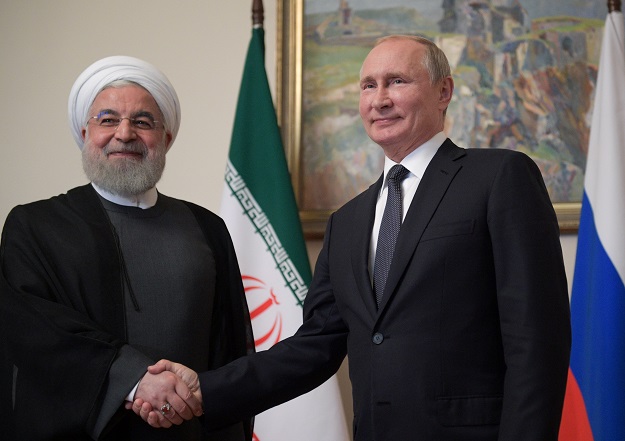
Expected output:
(145, 200)
(416, 163)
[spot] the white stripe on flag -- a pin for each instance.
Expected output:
(605, 167)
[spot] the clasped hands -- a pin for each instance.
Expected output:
(167, 382)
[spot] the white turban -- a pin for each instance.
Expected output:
(110, 69)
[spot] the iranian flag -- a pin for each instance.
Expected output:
(259, 208)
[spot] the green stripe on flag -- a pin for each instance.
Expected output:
(257, 155)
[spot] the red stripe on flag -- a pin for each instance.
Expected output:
(574, 425)
(262, 308)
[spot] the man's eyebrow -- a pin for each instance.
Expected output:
(145, 113)
(370, 79)
(108, 112)
(140, 113)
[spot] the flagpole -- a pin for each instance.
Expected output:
(258, 13)
(613, 5)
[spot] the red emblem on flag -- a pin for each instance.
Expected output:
(264, 312)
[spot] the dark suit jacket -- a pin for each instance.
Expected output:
(472, 339)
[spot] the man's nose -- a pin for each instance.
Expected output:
(381, 99)
(125, 131)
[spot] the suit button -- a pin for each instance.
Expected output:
(378, 338)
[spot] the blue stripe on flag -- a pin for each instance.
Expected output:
(598, 323)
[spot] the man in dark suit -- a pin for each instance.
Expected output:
(469, 336)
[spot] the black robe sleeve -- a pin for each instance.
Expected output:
(62, 315)
(51, 347)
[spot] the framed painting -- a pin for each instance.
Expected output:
(524, 70)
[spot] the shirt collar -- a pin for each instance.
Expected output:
(145, 200)
(417, 161)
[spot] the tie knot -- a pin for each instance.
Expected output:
(397, 173)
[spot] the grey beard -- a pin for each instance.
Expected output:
(128, 177)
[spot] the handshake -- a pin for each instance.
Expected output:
(169, 393)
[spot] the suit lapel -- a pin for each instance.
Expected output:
(365, 211)
(435, 182)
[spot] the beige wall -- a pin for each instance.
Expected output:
(45, 44)
(199, 44)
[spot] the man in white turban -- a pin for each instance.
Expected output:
(132, 179)
(121, 68)
(101, 282)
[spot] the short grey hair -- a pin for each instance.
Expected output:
(435, 61)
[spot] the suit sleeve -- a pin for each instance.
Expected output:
(533, 301)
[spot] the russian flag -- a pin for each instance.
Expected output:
(594, 406)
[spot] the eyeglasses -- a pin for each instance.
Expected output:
(112, 122)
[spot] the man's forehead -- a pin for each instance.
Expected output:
(127, 96)
(391, 57)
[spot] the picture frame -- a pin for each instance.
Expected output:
(575, 37)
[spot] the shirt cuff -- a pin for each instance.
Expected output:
(131, 395)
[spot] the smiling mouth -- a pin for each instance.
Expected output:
(125, 150)
(125, 154)
(382, 121)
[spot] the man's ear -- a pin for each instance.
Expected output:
(169, 140)
(446, 91)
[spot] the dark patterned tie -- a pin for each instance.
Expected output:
(389, 230)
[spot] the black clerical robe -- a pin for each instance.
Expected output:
(62, 315)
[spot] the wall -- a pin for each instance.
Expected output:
(199, 44)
